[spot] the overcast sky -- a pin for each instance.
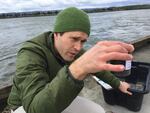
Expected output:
(41, 5)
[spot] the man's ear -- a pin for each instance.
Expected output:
(56, 35)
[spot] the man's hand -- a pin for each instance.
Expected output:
(124, 87)
(96, 59)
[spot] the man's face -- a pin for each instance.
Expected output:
(69, 44)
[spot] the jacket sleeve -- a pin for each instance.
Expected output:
(109, 78)
(37, 92)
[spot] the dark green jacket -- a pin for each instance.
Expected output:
(42, 83)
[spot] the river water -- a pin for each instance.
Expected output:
(120, 25)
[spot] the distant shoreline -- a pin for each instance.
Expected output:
(54, 12)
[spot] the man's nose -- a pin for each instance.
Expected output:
(78, 46)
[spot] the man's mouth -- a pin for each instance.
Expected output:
(72, 54)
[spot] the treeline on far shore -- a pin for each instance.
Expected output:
(54, 12)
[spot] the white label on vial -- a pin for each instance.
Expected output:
(128, 64)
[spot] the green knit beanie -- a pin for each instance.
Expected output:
(72, 19)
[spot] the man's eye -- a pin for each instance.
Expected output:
(75, 39)
(83, 41)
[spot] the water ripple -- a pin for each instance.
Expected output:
(119, 25)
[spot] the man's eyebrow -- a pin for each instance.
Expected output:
(78, 38)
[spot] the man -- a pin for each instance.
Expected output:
(52, 66)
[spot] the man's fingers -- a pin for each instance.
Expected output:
(129, 93)
(116, 48)
(111, 67)
(129, 47)
(109, 43)
(117, 56)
